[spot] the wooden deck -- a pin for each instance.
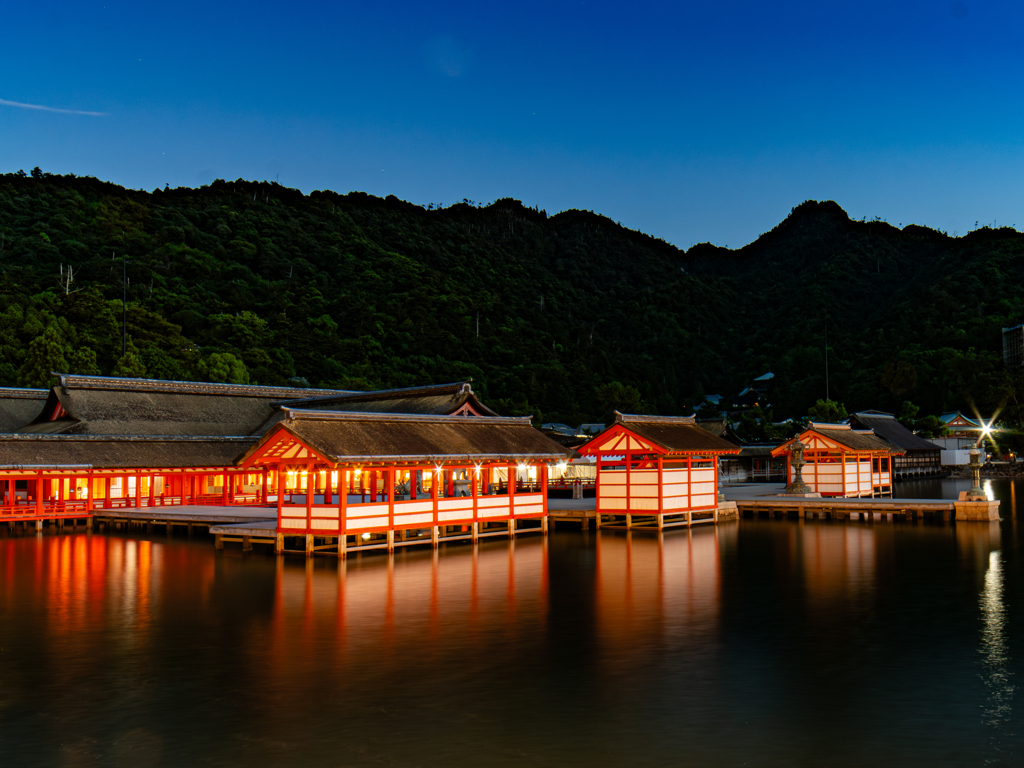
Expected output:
(265, 532)
(867, 509)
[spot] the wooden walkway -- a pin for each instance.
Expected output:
(265, 532)
(845, 509)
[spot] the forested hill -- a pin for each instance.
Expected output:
(564, 316)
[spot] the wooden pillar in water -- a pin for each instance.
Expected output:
(310, 482)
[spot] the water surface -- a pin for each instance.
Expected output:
(760, 643)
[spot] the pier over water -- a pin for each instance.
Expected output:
(765, 642)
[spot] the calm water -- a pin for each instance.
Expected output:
(759, 643)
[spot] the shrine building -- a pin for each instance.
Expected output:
(662, 469)
(843, 461)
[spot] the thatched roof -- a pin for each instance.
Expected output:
(19, 407)
(100, 405)
(888, 427)
(856, 440)
(120, 451)
(676, 434)
(352, 436)
(441, 399)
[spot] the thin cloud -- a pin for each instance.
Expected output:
(6, 103)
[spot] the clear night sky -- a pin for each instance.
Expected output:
(689, 121)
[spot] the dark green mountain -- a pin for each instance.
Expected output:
(566, 316)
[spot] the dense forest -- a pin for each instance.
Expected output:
(565, 317)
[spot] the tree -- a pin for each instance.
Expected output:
(130, 365)
(931, 426)
(828, 412)
(83, 362)
(223, 367)
(908, 414)
(46, 353)
(616, 396)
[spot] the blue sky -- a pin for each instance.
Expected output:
(690, 121)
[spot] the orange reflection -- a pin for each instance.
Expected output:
(658, 588)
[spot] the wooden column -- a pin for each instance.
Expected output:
(263, 485)
(309, 495)
(433, 492)
(629, 481)
(342, 507)
(661, 487)
(225, 479)
(138, 490)
(152, 490)
(477, 480)
(280, 493)
(389, 488)
(39, 494)
(513, 474)
(88, 492)
(328, 490)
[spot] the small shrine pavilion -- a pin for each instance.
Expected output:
(842, 461)
(665, 467)
(345, 473)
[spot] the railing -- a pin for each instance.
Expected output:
(49, 509)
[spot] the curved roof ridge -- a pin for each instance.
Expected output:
(455, 387)
(75, 381)
(314, 414)
(646, 418)
(24, 393)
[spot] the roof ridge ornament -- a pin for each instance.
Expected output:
(117, 383)
(622, 418)
(312, 414)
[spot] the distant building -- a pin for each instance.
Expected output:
(921, 457)
(1013, 347)
(963, 435)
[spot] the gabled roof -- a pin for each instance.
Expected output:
(720, 428)
(369, 437)
(887, 426)
(94, 405)
(857, 441)
(121, 451)
(441, 399)
(966, 421)
(102, 405)
(18, 406)
(672, 434)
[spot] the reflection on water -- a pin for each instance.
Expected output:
(766, 643)
(995, 645)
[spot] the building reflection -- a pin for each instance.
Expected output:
(659, 591)
(395, 614)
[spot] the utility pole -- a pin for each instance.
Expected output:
(827, 398)
(124, 303)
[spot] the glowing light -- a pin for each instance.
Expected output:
(366, 537)
(562, 466)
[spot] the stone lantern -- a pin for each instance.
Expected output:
(976, 493)
(798, 486)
